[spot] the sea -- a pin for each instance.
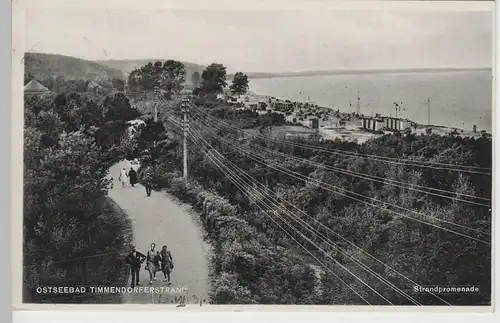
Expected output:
(459, 99)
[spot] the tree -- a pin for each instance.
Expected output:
(118, 84)
(169, 76)
(196, 79)
(214, 79)
(117, 111)
(146, 77)
(65, 186)
(197, 91)
(172, 77)
(240, 84)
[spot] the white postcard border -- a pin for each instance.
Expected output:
(18, 49)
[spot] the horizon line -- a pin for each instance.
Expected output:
(333, 70)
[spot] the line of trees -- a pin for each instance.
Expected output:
(168, 77)
(70, 142)
(214, 81)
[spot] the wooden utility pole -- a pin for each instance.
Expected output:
(155, 103)
(358, 105)
(429, 111)
(125, 83)
(185, 126)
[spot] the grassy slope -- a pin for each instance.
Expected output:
(42, 66)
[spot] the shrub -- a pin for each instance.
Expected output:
(227, 290)
(179, 188)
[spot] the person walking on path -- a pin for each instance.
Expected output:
(167, 264)
(146, 181)
(123, 176)
(132, 174)
(135, 259)
(150, 266)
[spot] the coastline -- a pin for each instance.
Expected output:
(457, 99)
(352, 131)
(255, 76)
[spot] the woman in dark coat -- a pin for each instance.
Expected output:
(133, 177)
(167, 264)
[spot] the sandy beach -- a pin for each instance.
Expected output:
(350, 131)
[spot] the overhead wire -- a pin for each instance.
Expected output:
(311, 229)
(242, 188)
(322, 185)
(265, 188)
(392, 160)
(381, 179)
(360, 174)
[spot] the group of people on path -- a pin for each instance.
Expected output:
(155, 261)
(133, 179)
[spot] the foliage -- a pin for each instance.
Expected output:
(214, 79)
(197, 91)
(66, 211)
(172, 77)
(169, 77)
(118, 84)
(146, 77)
(116, 112)
(244, 119)
(254, 254)
(240, 83)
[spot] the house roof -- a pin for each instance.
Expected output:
(93, 84)
(378, 119)
(34, 87)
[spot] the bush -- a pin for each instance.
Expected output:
(265, 261)
(227, 290)
(178, 187)
(70, 144)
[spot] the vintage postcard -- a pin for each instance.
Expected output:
(211, 154)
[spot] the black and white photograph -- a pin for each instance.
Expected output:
(331, 155)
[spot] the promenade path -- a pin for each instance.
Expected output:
(160, 220)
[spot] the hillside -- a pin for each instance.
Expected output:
(127, 65)
(42, 66)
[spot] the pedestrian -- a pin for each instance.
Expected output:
(135, 259)
(167, 264)
(157, 262)
(123, 176)
(474, 128)
(146, 181)
(150, 266)
(132, 174)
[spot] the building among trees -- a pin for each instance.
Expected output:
(396, 124)
(93, 87)
(34, 87)
(372, 124)
(314, 123)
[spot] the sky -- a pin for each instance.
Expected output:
(268, 40)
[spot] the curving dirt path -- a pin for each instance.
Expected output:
(160, 219)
